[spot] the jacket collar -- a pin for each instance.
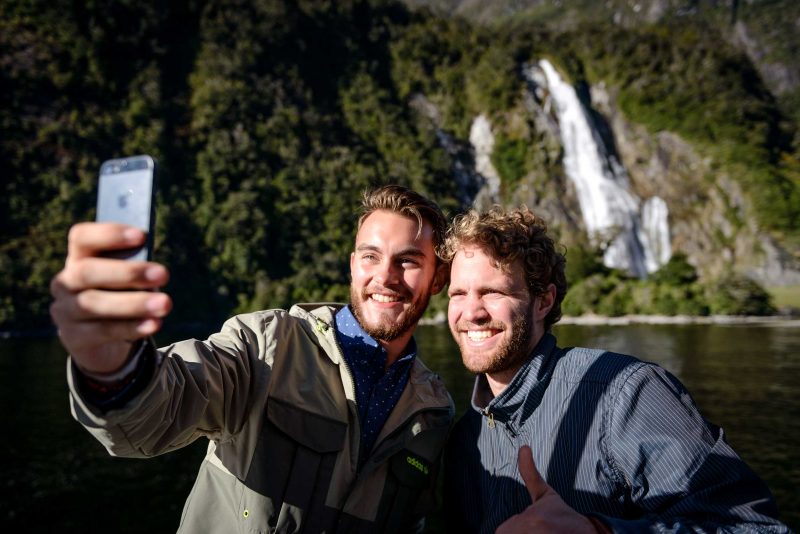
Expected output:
(524, 393)
(318, 318)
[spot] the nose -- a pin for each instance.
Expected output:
(387, 273)
(473, 309)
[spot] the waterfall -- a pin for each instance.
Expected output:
(482, 140)
(655, 227)
(637, 242)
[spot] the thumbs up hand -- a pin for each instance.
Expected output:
(548, 512)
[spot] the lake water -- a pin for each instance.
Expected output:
(57, 478)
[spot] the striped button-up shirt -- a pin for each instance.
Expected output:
(616, 437)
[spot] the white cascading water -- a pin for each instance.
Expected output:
(482, 140)
(656, 233)
(637, 243)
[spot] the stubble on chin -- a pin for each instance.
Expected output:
(387, 329)
(509, 355)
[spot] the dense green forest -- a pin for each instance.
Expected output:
(269, 118)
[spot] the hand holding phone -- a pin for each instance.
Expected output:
(126, 193)
(100, 306)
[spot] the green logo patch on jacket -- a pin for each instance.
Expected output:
(414, 462)
(411, 469)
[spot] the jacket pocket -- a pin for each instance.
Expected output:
(409, 476)
(293, 466)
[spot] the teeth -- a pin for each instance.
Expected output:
(477, 335)
(384, 298)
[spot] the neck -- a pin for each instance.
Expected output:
(499, 381)
(394, 348)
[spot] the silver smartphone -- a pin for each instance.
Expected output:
(126, 194)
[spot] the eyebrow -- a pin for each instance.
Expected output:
(410, 251)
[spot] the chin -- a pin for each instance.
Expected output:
(476, 362)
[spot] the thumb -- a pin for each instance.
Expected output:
(533, 480)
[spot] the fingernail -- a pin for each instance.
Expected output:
(155, 304)
(148, 326)
(154, 273)
(133, 235)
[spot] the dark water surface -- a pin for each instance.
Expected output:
(56, 478)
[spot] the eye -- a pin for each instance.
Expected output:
(409, 262)
(370, 257)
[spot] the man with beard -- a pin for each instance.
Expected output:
(321, 418)
(618, 442)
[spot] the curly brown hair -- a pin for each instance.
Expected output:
(508, 236)
(409, 203)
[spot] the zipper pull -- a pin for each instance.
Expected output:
(490, 421)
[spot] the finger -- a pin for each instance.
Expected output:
(108, 273)
(527, 468)
(90, 336)
(95, 304)
(89, 239)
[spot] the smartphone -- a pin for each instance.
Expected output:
(126, 194)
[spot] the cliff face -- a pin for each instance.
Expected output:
(767, 31)
(712, 219)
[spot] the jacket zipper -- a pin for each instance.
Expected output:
(355, 401)
(490, 415)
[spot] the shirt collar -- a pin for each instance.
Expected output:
(351, 335)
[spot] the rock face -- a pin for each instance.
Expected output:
(709, 217)
(768, 32)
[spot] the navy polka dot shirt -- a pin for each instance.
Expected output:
(377, 391)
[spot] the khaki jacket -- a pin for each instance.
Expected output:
(272, 393)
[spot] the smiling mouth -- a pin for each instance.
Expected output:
(480, 335)
(385, 298)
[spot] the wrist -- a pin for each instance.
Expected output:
(104, 390)
(127, 369)
(112, 396)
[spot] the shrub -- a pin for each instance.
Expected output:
(676, 272)
(733, 294)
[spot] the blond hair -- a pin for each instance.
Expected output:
(409, 203)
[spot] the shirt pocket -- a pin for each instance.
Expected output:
(293, 466)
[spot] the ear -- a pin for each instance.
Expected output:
(352, 261)
(544, 302)
(440, 277)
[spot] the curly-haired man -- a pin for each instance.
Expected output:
(619, 442)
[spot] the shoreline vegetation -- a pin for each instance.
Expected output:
(792, 320)
(750, 320)
(781, 320)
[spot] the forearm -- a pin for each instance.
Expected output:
(197, 388)
(685, 477)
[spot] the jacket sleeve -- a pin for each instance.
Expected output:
(198, 388)
(678, 470)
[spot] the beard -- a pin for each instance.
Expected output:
(388, 329)
(509, 355)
